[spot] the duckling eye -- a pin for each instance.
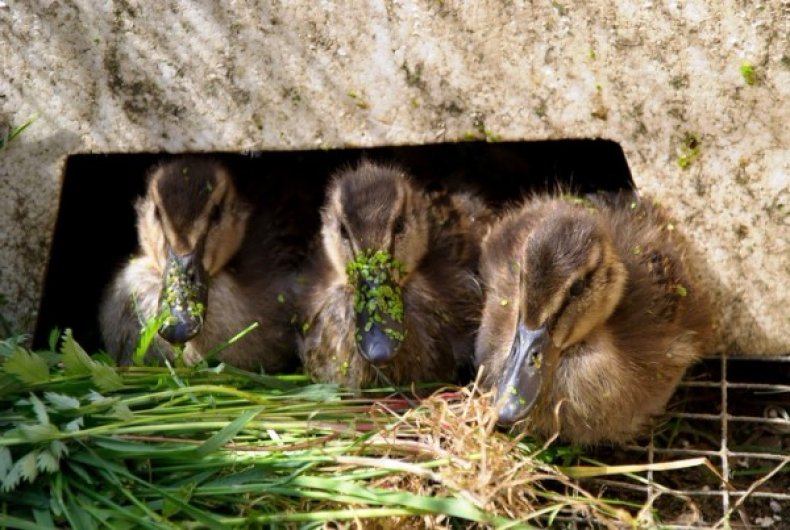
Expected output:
(344, 232)
(399, 226)
(577, 287)
(216, 214)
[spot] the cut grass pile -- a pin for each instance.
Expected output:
(89, 445)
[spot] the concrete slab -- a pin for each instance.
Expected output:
(697, 93)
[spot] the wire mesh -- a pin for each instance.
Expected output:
(735, 412)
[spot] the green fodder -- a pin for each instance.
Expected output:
(88, 445)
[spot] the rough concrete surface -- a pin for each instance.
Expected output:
(659, 77)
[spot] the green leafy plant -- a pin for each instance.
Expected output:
(148, 334)
(88, 445)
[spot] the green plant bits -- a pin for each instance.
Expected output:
(395, 335)
(515, 266)
(196, 309)
(689, 150)
(513, 391)
(181, 295)
(537, 361)
(747, 72)
(579, 201)
(178, 350)
(375, 276)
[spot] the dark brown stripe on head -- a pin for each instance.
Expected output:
(184, 187)
(556, 251)
(368, 197)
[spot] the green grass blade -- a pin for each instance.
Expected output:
(119, 511)
(43, 519)
(445, 505)
(16, 131)
(147, 336)
(227, 433)
(348, 514)
(228, 343)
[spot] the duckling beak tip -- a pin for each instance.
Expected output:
(376, 346)
(510, 412)
(179, 332)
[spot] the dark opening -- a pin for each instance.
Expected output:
(95, 231)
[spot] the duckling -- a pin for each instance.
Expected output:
(589, 307)
(392, 296)
(210, 265)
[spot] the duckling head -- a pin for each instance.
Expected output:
(375, 232)
(570, 280)
(191, 222)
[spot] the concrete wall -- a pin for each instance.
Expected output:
(657, 76)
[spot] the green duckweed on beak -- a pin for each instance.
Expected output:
(378, 304)
(183, 298)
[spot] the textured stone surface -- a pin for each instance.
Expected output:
(126, 75)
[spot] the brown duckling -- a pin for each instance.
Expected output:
(392, 296)
(588, 303)
(209, 265)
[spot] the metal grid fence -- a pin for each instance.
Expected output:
(735, 412)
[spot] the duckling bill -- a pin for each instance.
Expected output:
(378, 303)
(589, 307)
(392, 296)
(520, 385)
(184, 296)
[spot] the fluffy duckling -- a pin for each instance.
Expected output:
(393, 291)
(209, 265)
(588, 303)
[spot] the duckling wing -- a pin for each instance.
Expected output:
(655, 254)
